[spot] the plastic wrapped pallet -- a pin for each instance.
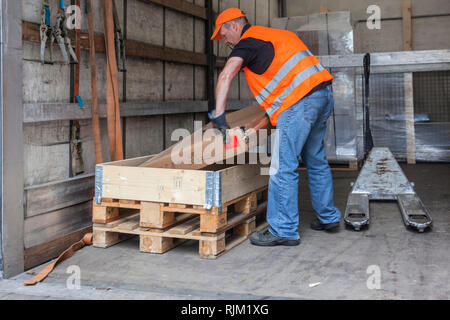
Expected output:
(387, 112)
(388, 122)
(332, 34)
(432, 141)
(323, 33)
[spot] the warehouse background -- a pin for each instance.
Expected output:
(157, 96)
(429, 22)
(47, 200)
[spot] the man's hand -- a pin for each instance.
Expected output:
(220, 122)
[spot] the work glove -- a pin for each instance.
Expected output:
(220, 123)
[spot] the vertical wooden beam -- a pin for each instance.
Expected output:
(78, 54)
(193, 67)
(409, 119)
(76, 160)
(124, 79)
(164, 81)
(406, 25)
(11, 140)
(282, 12)
(112, 62)
(125, 37)
(110, 111)
(408, 85)
(112, 87)
(72, 157)
(211, 62)
(92, 65)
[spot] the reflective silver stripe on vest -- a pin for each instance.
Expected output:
(302, 76)
(285, 69)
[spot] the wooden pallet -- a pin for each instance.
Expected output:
(351, 164)
(114, 210)
(157, 215)
(348, 165)
(211, 245)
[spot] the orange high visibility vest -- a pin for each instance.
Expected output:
(293, 73)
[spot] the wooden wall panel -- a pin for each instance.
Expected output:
(262, 12)
(216, 8)
(249, 7)
(145, 22)
(144, 80)
(148, 131)
(225, 4)
(46, 152)
(45, 252)
(50, 226)
(179, 31)
(245, 93)
(200, 83)
(179, 121)
(55, 196)
(88, 150)
(43, 82)
(179, 82)
(199, 36)
(273, 10)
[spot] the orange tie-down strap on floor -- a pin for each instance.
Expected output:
(86, 241)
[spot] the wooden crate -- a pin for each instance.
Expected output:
(167, 197)
(240, 223)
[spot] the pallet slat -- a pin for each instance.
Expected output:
(186, 227)
(211, 245)
(156, 215)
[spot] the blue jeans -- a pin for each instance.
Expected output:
(300, 132)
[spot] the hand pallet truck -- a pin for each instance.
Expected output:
(381, 178)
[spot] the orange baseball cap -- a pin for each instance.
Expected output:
(225, 16)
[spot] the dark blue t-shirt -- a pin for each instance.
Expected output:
(257, 54)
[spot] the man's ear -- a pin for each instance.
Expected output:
(235, 26)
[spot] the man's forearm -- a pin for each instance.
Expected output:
(222, 89)
(227, 75)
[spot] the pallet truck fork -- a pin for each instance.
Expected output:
(381, 178)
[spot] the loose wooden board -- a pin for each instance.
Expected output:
(205, 147)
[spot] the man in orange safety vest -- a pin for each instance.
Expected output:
(291, 85)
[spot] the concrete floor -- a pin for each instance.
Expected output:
(412, 265)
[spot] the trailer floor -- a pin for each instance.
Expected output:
(412, 265)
